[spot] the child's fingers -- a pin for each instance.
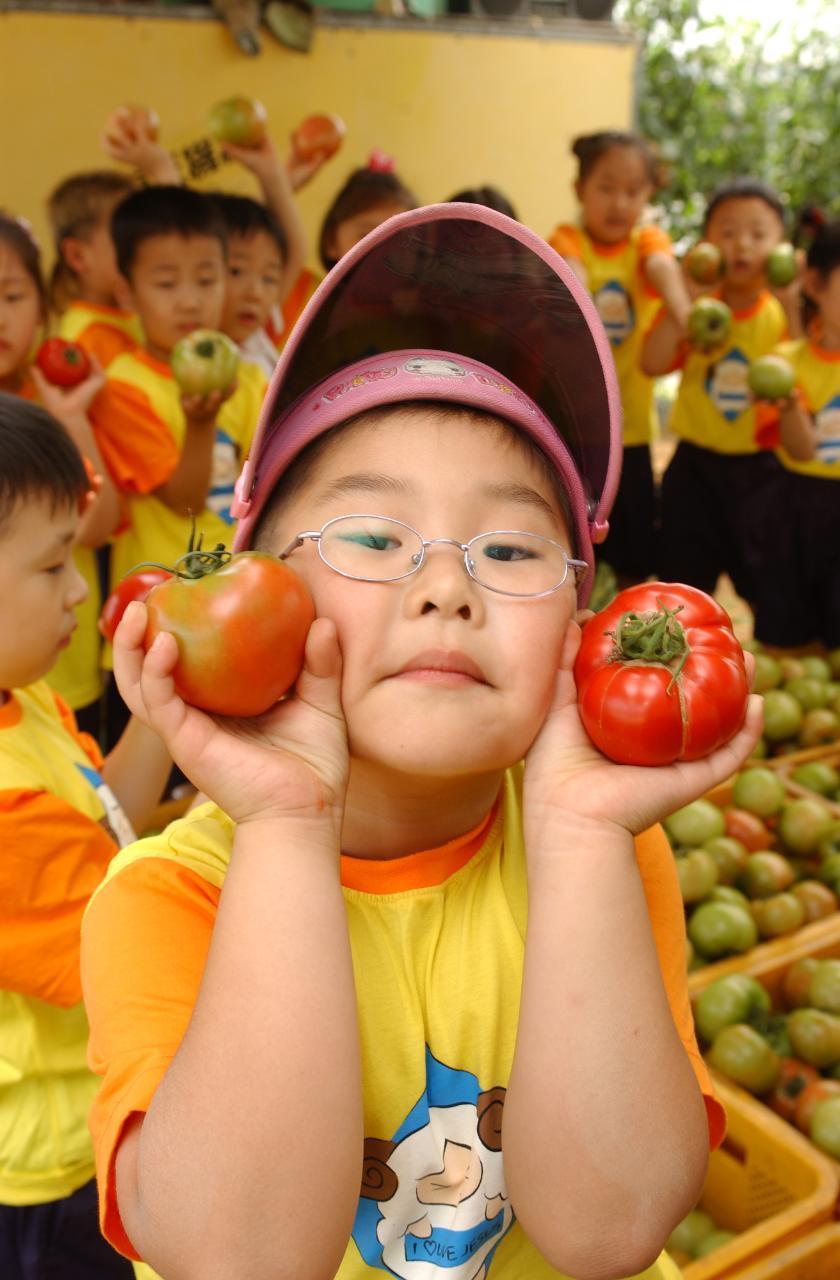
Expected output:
(165, 709)
(319, 683)
(129, 655)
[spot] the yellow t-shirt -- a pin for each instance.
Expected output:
(437, 941)
(59, 828)
(77, 674)
(818, 379)
(627, 304)
(105, 332)
(139, 414)
(714, 408)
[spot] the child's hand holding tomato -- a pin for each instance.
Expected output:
(568, 782)
(291, 763)
(70, 403)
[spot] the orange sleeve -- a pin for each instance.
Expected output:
(766, 425)
(667, 915)
(68, 720)
(566, 240)
(653, 240)
(105, 341)
(144, 945)
(53, 859)
(294, 302)
(137, 447)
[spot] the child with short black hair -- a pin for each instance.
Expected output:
(174, 457)
(720, 487)
(628, 265)
(256, 254)
(64, 812)
(798, 595)
(350, 1012)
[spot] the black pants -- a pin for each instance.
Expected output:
(59, 1240)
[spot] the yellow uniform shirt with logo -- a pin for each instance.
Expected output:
(627, 304)
(105, 332)
(714, 408)
(438, 942)
(141, 396)
(818, 380)
(59, 828)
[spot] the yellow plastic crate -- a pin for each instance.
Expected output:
(766, 1182)
(815, 1257)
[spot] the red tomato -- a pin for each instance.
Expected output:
(241, 626)
(794, 1078)
(136, 586)
(660, 676)
(748, 828)
(318, 136)
(810, 1097)
(64, 364)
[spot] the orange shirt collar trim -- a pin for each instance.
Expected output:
(416, 870)
(823, 354)
(10, 712)
(157, 366)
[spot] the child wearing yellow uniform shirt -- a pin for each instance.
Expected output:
(174, 457)
(799, 595)
(720, 485)
(629, 269)
(349, 1012)
(64, 812)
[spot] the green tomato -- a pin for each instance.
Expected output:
(819, 726)
(722, 928)
(730, 855)
(815, 1037)
(803, 823)
(765, 874)
(695, 824)
(815, 667)
(204, 361)
(760, 751)
(809, 693)
(824, 987)
(817, 776)
(834, 662)
(715, 1240)
(824, 1128)
(829, 847)
(759, 790)
(746, 1057)
(728, 893)
(697, 873)
(688, 1234)
(782, 716)
(778, 915)
(768, 673)
(726, 1001)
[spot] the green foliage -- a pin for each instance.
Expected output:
(732, 98)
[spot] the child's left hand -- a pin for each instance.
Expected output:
(262, 160)
(570, 784)
(201, 409)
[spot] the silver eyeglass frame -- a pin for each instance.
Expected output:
(578, 567)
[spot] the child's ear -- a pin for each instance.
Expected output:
(124, 293)
(74, 253)
(812, 283)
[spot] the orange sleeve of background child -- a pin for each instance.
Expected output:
(665, 907)
(567, 242)
(136, 446)
(653, 240)
(105, 341)
(53, 859)
(144, 945)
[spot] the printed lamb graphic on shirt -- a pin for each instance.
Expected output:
(615, 307)
(433, 1200)
(727, 384)
(828, 432)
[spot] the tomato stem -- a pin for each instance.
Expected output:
(653, 638)
(194, 563)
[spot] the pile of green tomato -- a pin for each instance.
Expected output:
(788, 1054)
(762, 866)
(801, 701)
(696, 1236)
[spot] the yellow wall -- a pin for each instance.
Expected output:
(454, 109)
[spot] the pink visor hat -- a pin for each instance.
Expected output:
(460, 304)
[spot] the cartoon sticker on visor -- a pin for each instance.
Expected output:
(434, 367)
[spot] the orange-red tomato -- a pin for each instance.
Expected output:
(794, 1078)
(749, 829)
(816, 1091)
(319, 135)
(660, 676)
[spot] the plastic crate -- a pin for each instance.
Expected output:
(815, 1257)
(766, 1182)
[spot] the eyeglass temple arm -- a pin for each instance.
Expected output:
(298, 542)
(580, 567)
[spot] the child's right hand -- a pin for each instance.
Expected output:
(130, 137)
(68, 405)
(201, 410)
(292, 762)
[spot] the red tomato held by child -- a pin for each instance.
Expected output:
(241, 625)
(136, 586)
(64, 364)
(660, 676)
(318, 136)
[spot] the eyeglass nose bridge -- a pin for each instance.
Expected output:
(419, 556)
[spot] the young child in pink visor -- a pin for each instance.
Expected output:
(407, 995)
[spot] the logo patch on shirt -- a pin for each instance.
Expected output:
(727, 386)
(615, 307)
(113, 820)
(434, 1202)
(827, 422)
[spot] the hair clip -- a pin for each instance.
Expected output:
(379, 162)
